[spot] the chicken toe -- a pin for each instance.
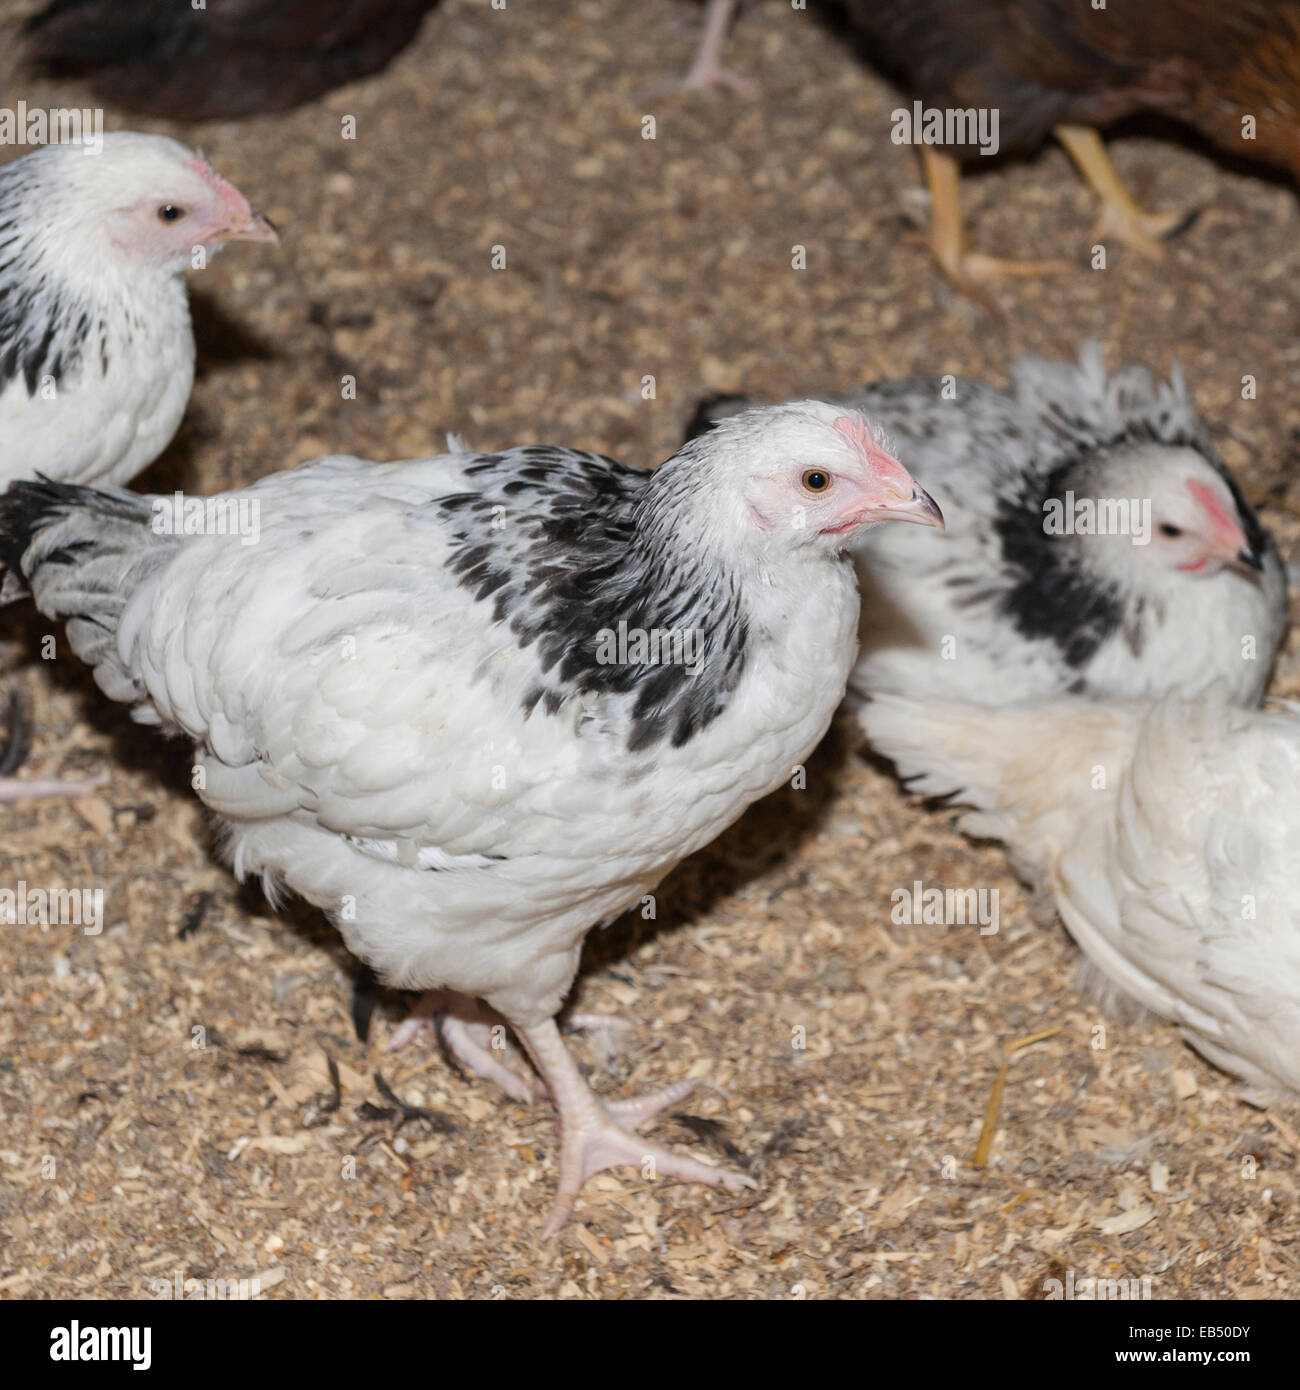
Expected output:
(592, 1137)
(706, 70)
(13, 753)
(1121, 218)
(474, 1043)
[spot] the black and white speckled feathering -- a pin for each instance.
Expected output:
(473, 705)
(1175, 872)
(96, 349)
(1012, 603)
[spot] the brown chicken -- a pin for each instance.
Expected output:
(225, 58)
(1228, 68)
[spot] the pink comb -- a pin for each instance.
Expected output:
(857, 432)
(227, 192)
(855, 429)
(1225, 526)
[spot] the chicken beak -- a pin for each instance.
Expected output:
(257, 227)
(920, 507)
(1235, 552)
(1249, 558)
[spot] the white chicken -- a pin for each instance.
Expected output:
(96, 347)
(474, 705)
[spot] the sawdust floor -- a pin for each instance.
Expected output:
(629, 258)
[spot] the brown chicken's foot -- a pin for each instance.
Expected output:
(1121, 218)
(1144, 232)
(967, 269)
(595, 1135)
(975, 268)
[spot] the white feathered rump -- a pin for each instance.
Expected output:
(1028, 770)
(85, 553)
(1168, 836)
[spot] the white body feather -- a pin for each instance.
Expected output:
(381, 741)
(105, 426)
(1168, 834)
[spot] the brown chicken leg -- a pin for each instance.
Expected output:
(1121, 217)
(948, 236)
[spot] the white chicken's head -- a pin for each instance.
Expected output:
(1185, 521)
(139, 202)
(803, 475)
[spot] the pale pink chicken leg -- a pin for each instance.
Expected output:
(478, 1045)
(470, 1041)
(32, 788)
(596, 1134)
(706, 68)
(12, 754)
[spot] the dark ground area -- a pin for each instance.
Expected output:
(629, 258)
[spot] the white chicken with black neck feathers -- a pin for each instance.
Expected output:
(1097, 544)
(96, 347)
(403, 716)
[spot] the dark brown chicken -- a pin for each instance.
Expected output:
(229, 58)
(1230, 69)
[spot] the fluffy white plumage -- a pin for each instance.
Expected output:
(1168, 835)
(1003, 609)
(402, 709)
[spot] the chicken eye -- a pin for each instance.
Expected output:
(169, 212)
(1171, 531)
(815, 480)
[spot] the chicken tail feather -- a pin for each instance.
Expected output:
(83, 552)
